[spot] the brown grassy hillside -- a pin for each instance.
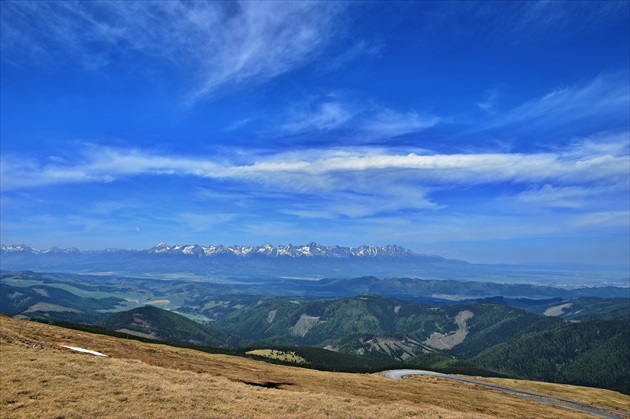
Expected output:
(138, 380)
(601, 397)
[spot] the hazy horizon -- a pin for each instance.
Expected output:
(555, 263)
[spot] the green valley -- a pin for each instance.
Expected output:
(564, 337)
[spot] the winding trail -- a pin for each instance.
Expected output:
(595, 410)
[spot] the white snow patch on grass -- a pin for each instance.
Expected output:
(87, 351)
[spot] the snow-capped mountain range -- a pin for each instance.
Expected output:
(309, 250)
(217, 261)
(310, 261)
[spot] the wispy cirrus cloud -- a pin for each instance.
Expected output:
(615, 219)
(218, 44)
(387, 123)
(582, 162)
(202, 222)
(542, 16)
(357, 182)
(359, 49)
(489, 102)
(354, 200)
(265, 40)
(364, 120)
(320, 116)
(519, 21)
(606, 96)
(551, 196)
(363, 189)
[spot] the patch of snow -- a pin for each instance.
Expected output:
(209, 250)
(160, 248)
(87, 351)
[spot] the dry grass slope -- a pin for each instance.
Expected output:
(601, 397)
(41, 379)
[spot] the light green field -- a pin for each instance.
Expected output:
(15, 282)
(195, 317)
(167, 302)
(84, 293)
(279, 355)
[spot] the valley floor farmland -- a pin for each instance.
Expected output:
(42, 379)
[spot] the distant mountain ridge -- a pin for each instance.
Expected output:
(304, 261)
(309, 250)
(310, 261)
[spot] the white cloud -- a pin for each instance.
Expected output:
(388, 123)
(357, 50)
(605, 96)
(266, 39)
(359, 182)
(603, 219)
(219, 44)
(323, 116)
(238, 124)
(569, 196)
(357, 200)
(366, 120)
(489, 102)
(544, 16)
(202, 222)
(322, 169)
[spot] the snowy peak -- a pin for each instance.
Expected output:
(160, 248)
(307, 261)
(267, 250)
(27, 249)
(17, 248)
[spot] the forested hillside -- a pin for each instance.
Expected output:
(593, 353)
(155, 323)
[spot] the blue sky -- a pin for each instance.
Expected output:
(485, 131)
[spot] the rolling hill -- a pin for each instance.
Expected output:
(493, 336)
(473, 326)
(595, 353)
(213, 299)
(52, 303)
(586, 308)
(155, 323)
